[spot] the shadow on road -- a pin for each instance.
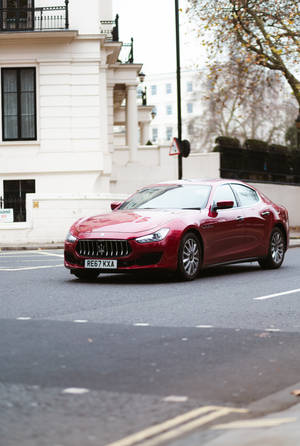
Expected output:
(159, 277)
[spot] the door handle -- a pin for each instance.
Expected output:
(240, 218)
(265, 213)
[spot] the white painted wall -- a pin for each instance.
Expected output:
(154, 165)
(72, 136)
(50, 221)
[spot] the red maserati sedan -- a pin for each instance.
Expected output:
(181, 226)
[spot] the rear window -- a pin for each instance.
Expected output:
(246, 195)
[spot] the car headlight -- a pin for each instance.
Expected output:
(70, 238)
(155, 237)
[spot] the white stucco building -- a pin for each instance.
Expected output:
(63, 88)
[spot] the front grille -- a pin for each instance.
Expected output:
(103, 248)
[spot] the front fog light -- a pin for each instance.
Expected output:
(70, 238)
(155, 237)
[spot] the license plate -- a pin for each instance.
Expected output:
(100, 264)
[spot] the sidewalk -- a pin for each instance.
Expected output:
(279, 429)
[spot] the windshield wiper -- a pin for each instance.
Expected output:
(196, 209)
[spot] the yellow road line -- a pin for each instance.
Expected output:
(175, 426)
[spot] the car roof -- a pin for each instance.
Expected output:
(203, 181)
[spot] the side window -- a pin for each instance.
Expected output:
(168, 88)
(246, 195)
(154, 134)
(224, 193)
(169, 133)
(153, 90)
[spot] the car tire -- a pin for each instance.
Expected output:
(276, 251)
(189, 257)
(86, 274)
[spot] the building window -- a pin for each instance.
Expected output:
(17, 15)
(18, 104)
(189, 107)
(169, 132)
(168, 88)
(189, 86)
(154, 90)
(169, 109)
(154, 134)
(15, 196)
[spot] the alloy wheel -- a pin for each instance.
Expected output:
(277, 247)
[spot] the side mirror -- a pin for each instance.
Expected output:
(223, 205)
(115, 205)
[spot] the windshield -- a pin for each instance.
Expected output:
(169, 197)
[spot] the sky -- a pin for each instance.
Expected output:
(151, 23)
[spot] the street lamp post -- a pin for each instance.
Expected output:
(179, 121)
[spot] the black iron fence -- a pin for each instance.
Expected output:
(276, 166)
(35, 19)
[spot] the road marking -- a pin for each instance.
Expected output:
(80, 321)
(177, 426)
(141, 324)
(23, 318)
(246, 424)
(272, 329)
(30, 268)
(75, 391)
(284, 293)
(175, 399)
(44, 253)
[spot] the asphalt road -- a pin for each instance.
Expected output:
(143, 349)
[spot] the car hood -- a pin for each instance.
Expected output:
(124, 222)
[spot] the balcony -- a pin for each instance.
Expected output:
(110, 29)
(24, 19)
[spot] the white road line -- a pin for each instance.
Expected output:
(80, 321)
(75, 391)
(44, 253)
(246, 424)
(23, 254)
(31, 268)
(272, 329)
(284, 293)
(174, 427)
(175, 399)
(23, 318)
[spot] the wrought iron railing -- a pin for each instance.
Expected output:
(35, 19)
(110, 28)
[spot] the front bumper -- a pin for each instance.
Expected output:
(156, 255)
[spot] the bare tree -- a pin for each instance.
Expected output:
(243, 101)
(264, 33)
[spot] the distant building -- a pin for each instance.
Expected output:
(162, 94)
